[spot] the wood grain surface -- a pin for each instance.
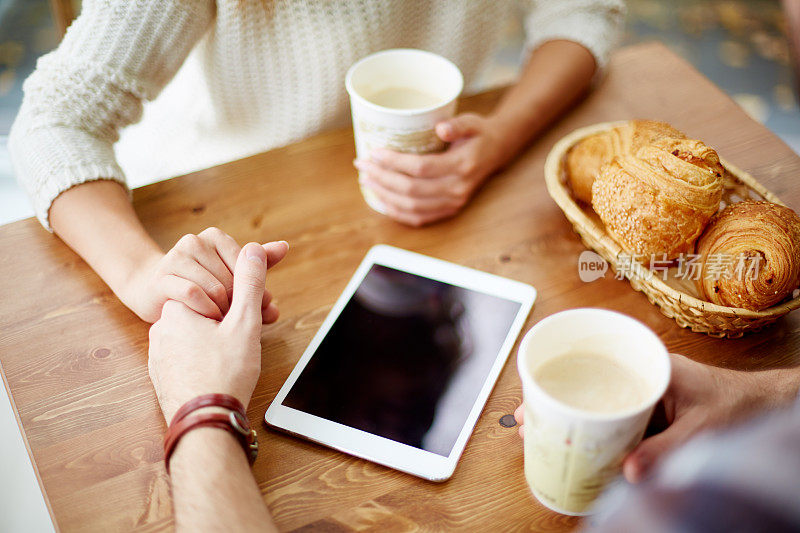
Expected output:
(75, 358)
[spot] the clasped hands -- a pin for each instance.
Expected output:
(191, 354)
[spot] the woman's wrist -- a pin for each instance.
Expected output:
(512, 123)
(555, 75)
(129, 276)
(131, 269)
(512, 132)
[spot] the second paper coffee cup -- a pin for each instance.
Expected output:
(590, 379)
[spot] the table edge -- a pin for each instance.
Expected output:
(28, 449)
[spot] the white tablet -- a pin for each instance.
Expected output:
(402, 366)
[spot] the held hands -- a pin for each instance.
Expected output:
(198, 272)
(702, 397)
(420, 189)
(191, 354)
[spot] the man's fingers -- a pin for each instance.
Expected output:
(458, 127)
(270, 314)
(639, 463)
(419, 166)
(276, 251)
(519, 416)
(248, 285)
(190, 293)
(266, 301)
(228, 249)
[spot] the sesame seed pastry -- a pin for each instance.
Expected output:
(585, 160)
(755, 246)
(658, 201)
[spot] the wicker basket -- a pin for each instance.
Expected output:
(677, 298)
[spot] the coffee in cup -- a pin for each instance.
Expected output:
(590, 381)
(396, 98)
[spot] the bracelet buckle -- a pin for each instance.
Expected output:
(235, 422)
(242, 426)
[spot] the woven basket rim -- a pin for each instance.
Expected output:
(561, 195)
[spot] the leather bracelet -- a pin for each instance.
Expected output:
(226, 401)
(235, 423)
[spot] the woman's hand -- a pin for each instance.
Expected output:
(197, 271)
(420, 189)
(703, 397)
(191, 354)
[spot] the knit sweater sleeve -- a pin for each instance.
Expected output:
(595, 24)
(116, 55)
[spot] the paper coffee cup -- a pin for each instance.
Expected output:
(572, 454)
(404, 130)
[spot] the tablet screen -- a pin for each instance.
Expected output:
(405, 359)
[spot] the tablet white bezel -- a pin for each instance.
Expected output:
(378, 449)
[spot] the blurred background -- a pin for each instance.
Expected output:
(741, 45)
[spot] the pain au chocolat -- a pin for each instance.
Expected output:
(750, 255)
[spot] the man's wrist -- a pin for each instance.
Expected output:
(230, 418)
(773, 389)
(174, 402)
(213, 486)
(789, 384)
(210, 409)
(205, 440)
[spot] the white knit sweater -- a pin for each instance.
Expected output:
(259, 74)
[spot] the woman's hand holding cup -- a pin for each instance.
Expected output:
(418, 189)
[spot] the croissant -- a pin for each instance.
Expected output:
(658, 201)
(750, 255)
(585, 159)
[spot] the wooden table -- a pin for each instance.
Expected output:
(75, 358)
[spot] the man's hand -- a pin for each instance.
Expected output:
(420, 189)
(191, 354)
(197, 271)
(703, 397)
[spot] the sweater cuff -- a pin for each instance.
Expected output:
(55, 159)
(597, 33)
